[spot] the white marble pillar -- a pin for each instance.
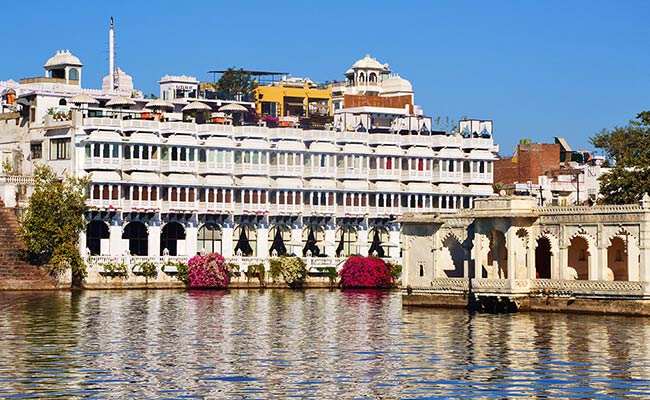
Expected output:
(362, 242)
(632, 262)
(598, 264)
(296, 237)
(227, 244)
(394, 238)
(191, 238)
(115, 240)
(154, 240)
(511, 248)
(330, 239)
(262, 241)
(559, 270)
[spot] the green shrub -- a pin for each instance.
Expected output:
(147, 269)
(332, 274)
(111, 269)
(292, 270)
(255, 271)
(181, 270)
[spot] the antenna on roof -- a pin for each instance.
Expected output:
(111, 54)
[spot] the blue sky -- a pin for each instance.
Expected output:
(537, 69)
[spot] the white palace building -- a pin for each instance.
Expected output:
(171, 177)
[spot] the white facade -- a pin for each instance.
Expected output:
(162, 186)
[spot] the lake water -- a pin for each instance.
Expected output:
(315, 344)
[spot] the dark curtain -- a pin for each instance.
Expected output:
(376, 245)
(311, 244)
(278, 243)
(242, 243)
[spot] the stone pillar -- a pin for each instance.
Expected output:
(115, 239)
(263, 240)
(511, 249)
(227, 241)
(362, 242)
(632, 262)
(393, 237)
(330, 238)
(598, 264)
(559, 269)
(154, 231)
(531, 268)
(191, 238)
(478, 261)
(296, 237)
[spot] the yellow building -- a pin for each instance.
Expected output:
(294, 97)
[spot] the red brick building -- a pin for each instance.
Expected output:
(529, 161)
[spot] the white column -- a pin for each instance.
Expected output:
(393, 237)
(511, 239)
(362, 239)
(296, 237)
(191, 237)
(598, 264)
(632, 262)
(559, 268)
(115, 240)
(227, 241)
(263, 241)
(330, 238)
(154, 240)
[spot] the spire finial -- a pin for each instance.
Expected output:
(112, 22)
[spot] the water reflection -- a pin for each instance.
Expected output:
(315, 344)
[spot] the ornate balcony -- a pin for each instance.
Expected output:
(102, 163)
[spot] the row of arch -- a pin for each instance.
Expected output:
(210, 238)
(579, 257)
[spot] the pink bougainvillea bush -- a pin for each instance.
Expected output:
(365, 272)
(208, 271)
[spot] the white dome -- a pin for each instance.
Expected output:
(63, 57)
(124, 82)
(369, 63)
(396, 84)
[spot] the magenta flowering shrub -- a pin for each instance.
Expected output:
(208, 271)
(365, 272)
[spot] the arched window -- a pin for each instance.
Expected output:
(376, 237)
(136, 233)
(372, 78)
(313, 239)
(346, 239)
(169, 237)
(209, 238)
(245, 239)
(95, 233)
(279, 242)
(73, 74)
(63, 102)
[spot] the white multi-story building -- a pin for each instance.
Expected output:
(163, 185)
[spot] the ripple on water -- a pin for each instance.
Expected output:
(316, 344)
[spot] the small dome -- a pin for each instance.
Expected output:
(396, 84)
(61, 58)
(369, 63)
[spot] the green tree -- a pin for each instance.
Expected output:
(628, 147)
(53, 220)
(235, 81)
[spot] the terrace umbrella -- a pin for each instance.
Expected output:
(233, 108)
(159, 104)
(197, 106)
(83, 99)
(242, 244)
(311, 244)
(375, 246)
(278, 243)
(120, 102)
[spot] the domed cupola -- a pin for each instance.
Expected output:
(64, 66)
(396, 85)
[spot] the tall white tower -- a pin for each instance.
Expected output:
(111, 55)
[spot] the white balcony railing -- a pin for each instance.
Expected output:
(351, 173)
(251, 169)
(179, 206)
(477, 178)
(104, 204)
(102, 163)
(415, 175)
(100, 122)
(178, 166)
(140, 205)
(385, 174)
(286, 170)
(385, 211)
(137, 164)
(140, 125)
(321, 209)
(320, 172)
(251, 209)
(177, 127)
(216, 208)
(215, 168)
(352, 137)
(286, 209)
(446, 176)
(384, 138)
(321, 136)
(349, 211)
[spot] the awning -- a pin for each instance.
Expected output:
(120, 101)
(197, 106)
